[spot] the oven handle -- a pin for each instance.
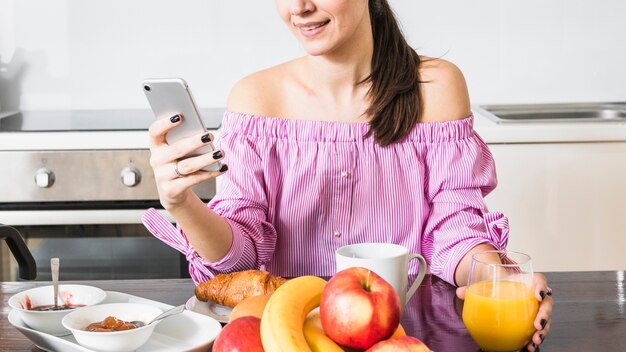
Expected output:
(23, 256)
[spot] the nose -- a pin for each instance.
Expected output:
(300, 7)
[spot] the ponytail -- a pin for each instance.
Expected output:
(395, 92)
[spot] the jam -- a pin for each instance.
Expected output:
(52, 307)
(110, 324)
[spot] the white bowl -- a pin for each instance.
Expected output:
(50, 321)
(116, 341)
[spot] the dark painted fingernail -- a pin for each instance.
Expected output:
(549, 293)
(541, 337)
(217, 155)
(542, 294)
(206, 138)
(175, 118)
(224, 168)
(543, 323)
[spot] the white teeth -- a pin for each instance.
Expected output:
(310, 28)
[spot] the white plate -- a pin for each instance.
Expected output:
(216, 311)
(188, 331)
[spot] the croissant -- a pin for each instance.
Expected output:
(230, 289)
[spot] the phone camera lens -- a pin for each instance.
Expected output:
(146, 87)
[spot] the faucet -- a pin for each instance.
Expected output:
(25, 260)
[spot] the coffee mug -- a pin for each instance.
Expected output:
(389, 261)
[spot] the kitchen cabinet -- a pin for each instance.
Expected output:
(566, 202)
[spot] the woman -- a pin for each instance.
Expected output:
(361, 140)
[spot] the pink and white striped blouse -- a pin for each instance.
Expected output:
(296, 190)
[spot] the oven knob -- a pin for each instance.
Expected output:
(130, 176)
(44, 177)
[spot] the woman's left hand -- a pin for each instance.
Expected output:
(542, 321)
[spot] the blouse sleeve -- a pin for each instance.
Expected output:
(242, 201)
(460, 173)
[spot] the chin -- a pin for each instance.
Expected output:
(316, 49)
(317, 46)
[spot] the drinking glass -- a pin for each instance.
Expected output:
(500, 306)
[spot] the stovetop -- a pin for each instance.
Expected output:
(91, 120)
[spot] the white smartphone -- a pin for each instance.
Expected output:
(171, 96)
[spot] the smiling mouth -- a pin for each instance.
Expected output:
(314, 26)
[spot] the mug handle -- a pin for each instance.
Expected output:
(420, 275)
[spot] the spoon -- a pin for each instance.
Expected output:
(54, 266)
(167, 313)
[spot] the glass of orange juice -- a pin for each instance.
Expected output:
(500, 306)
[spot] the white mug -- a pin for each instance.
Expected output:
(389, 261)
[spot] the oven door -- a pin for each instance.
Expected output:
(84, 207)
(96, 252)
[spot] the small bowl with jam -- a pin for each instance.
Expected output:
(37, 309)
(113, 326)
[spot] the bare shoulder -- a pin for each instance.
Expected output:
(444, 91)
(258, 93)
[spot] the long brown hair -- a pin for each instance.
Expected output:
(394, 92)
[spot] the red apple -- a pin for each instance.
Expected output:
(359, 308)
(240, 335)
(400, 344)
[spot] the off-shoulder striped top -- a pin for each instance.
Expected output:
(296, 190)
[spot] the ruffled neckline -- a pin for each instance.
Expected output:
(333, 131)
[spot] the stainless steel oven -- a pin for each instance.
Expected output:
(75, 183)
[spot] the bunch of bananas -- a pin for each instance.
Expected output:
(288, 325)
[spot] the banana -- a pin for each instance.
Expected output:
(399, 332)
(285, 312)
(315, 336)
(318, 340)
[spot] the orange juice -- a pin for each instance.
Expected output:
(499, 315)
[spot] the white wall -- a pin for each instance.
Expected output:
(90, 54)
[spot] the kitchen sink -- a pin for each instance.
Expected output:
(574, 112)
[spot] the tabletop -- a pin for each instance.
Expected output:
(589, 311)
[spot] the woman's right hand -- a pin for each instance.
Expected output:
(174, 189)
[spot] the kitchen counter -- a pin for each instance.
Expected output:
(547, 132)
(589, 311)
(489, 130)
(73, 140)
(85, 129)
(560, 182)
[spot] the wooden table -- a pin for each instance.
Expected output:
(589, 313)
